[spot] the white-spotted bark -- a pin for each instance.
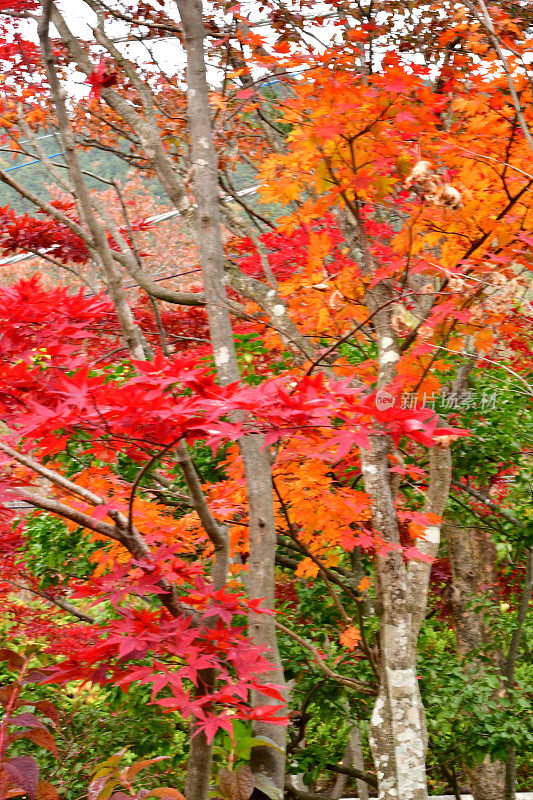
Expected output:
(398, 736)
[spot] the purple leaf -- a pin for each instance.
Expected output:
(25, 720)
(24, 772)
(97, 786)
(14, 661)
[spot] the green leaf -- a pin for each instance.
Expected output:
(111, 763)
(102, 788)
(244, 745)
(268, 787)
(267, 742)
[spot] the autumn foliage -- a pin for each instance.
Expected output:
(269, 506)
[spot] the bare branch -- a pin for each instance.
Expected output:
(132, 334)
(60, 602)
(53, 477)
(73, 514)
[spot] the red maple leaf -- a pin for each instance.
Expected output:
(101, 77)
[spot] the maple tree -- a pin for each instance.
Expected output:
(281, 439)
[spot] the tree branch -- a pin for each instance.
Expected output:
(474, 493)
(364, 688)
(56, 601)
(367, 777)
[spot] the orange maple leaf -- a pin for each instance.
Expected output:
(350, 637)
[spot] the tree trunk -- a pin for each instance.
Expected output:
(397, 728)
(509, 669)
(487, 780)
(99, 248)
(267, 763)
(398, 736)
(353, 756)
(473, 563)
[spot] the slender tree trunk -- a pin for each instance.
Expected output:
(473, 562)
(353, 756)
(206, 219)
(509, 668)
(487, 780)
(397, 729)
(266, 762)
(398, 736)
(100, 249)
(358, 762)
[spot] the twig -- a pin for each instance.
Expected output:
(474, 493)
(352, 684)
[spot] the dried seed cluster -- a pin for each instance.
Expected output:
(433, 189)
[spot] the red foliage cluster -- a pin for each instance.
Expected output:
(18, 6)
(100, 78)
(12, 539)
(185, 328)
(286, 250)
(204, 637)
(21, 232)
(19, 51)
(58, 322)
(51, 388)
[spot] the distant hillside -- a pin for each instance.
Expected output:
(107, 165)
(34, 177)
